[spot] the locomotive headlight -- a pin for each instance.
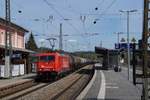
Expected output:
(42, 66)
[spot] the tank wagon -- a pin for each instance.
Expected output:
(51, 65)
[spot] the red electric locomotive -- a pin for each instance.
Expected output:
(50, 65)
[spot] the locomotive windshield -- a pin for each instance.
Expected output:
(47, 58)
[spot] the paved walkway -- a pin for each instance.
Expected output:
(5, 82)
(110, 85)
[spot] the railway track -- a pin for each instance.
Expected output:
(13, 88)
(73, 89)
(16, 90)
(24, 92)
(67, 88)
(64, 89)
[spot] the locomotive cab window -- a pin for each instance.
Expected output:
(51, 58)
(34, 59)
(47, 58)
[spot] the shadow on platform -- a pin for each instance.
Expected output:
(29, 77)
(86, 71)
(100, 68)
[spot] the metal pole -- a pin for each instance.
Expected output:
(8, 45)
(128, 45)
(144, 51)
(118, 64)
(60, 38)
(108, 59)
(118, 37)
(118, 56)
(134, 64)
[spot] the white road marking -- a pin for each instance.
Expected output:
(111, 84)
(85, 91)
(101, 94)
(113, 87)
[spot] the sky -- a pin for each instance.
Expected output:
(43, 18)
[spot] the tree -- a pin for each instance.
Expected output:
(31, 44)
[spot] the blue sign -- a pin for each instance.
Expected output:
(123, 46)
(17, 56)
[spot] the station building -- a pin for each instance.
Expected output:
(20, 59)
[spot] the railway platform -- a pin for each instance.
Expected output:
(110, 85)
(14, 80)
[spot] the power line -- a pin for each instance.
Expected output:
(109, 14)
(99, 5)
(50, 5)
(104, 12)
(70, 9)
(111, 4)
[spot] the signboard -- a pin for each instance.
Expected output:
(16, 56)
(123, 46)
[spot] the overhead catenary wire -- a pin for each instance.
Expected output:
(100, 4)
(109, 6)
(104, 12)
(50, 5)
(109, 14)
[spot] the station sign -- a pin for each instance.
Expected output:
(123, 46)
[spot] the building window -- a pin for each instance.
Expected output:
(1, 37)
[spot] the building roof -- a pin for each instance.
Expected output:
(18, 49)
(101, 50)
(105, 51)
(3, 21)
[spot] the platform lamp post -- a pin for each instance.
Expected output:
(128, 44)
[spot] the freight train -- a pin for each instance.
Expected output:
(52, 65)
